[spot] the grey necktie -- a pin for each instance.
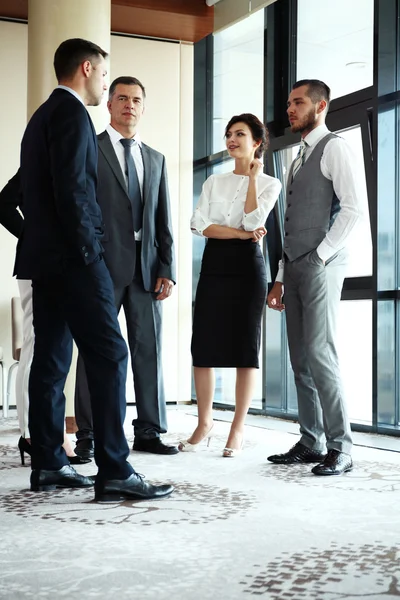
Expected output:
(133, 184)
(300, 158)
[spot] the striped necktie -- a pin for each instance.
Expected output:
(300, 158)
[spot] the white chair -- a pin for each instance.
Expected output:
(17, 339)
(4, 397)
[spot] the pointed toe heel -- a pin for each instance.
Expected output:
(186, 446)
(23, 447)
(232, 452)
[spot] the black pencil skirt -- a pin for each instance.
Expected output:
(230, 300)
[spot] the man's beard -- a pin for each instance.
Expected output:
(305, 123)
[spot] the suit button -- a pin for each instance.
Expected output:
(83, 248)
(86, 254)
(290, 191)
(129, 206)
(289, 205)
(287, 219)
(286, 233)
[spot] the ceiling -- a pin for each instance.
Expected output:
(184, 20)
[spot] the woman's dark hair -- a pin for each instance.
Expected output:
(257, 128)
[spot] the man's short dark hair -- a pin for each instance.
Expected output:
(125, 81)
(72, 53)
(317, 90)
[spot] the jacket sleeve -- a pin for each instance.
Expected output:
(10, 201)
(166, 253)
(69, 135)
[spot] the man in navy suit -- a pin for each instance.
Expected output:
(73, 298)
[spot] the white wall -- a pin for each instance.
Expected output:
(13, 68)
(166, 70)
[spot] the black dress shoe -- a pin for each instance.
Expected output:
(153, 445)
(335, 463)
(85, 448)
(133, 488)
(66, 477)
(78, 460)
(297, 454)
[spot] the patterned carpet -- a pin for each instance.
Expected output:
(233, 528)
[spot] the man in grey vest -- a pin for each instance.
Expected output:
(322, 209)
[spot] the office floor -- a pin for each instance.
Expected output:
(233, 528)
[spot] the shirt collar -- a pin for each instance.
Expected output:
(316, 135)
(71, 91)
(116, 136)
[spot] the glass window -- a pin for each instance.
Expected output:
(238, 73)
(387, 392)
(355, 358)
(360, 241)
(335, 43)
(388, 172)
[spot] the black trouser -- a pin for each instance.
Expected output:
(79, 305)
(143, 320)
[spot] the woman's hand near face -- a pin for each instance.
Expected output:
(256, 167)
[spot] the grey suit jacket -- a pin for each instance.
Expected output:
(157, 259)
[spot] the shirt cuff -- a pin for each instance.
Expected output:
(252, 220)
(325, 251)
(279, 277)
(199, 230)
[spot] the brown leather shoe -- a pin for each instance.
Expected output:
(335, 463)
(297, 454)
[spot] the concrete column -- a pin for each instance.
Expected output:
(184, 235)
(50, 22)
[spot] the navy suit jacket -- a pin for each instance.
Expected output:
(62, 219)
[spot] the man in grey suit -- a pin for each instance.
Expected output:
(138, 250)
(323, 206)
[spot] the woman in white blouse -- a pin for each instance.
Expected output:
(231, 293)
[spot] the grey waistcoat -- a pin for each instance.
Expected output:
(312, 205)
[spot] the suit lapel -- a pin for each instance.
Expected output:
(106, 147)
(147, 172)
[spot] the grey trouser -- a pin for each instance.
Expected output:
(312, 296)
(143, 321)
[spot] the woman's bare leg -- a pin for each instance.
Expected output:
(204, 380)
(245, 384)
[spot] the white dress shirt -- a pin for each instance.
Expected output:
(115, 138)
(223, 198)
(339, 165)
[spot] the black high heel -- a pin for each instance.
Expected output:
(24, 446)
